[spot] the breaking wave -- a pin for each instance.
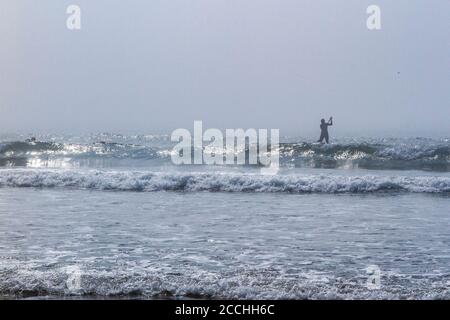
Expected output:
(51, 154)
(393, 154)
(242, 283)
(219, 182)
(397, 156)
(100, 149)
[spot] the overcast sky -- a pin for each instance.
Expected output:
(145, 66)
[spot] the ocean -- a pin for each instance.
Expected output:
(110, 216)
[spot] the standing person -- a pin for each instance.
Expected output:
(324, 130)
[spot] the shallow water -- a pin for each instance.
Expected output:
(227, 245)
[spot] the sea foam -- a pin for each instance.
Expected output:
(219, 181)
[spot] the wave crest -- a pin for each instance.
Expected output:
(116, 150)
(426, 155)
(398, 156)
(219, 182)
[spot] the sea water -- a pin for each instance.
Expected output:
(110, 216)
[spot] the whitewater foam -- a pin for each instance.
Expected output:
(219, 181)
(241, 283)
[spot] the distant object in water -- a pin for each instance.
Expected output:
(324, 130)
(31, 140)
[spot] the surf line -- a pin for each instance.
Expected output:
(236, 146)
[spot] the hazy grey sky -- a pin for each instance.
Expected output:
(141, 66)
